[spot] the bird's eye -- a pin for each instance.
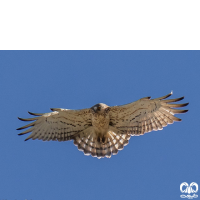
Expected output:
(99, 108)
(95, 108)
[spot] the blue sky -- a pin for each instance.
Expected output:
(151, 166)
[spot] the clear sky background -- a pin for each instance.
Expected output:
(151, 166)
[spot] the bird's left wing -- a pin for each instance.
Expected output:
(61, 124)
(145, 115)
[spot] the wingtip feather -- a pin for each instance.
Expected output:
(35, 114)
(185, 104)
(177, 105)
(145, 98)
(173, 100)
(22, 119)
(55, 109)
(176, 111)
(28, 119)
(164, 97)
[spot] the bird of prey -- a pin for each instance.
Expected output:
(102, 130)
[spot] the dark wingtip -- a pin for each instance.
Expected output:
(30, 113)
(145, 98)
(21, 119)
(20, 128)
(27, 139)
(180, 111)
(35, 114)
(168, 95)
(185, 104)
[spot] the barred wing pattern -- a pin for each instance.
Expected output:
(60, 125)
(146, 115)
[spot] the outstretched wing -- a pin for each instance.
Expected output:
(145, 115)
(61, 124)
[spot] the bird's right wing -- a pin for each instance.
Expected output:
(61, 124)
(145, 115)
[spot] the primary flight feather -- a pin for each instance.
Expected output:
(101, 130)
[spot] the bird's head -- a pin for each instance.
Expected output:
(100, 108)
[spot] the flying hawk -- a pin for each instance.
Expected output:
(103, 130)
